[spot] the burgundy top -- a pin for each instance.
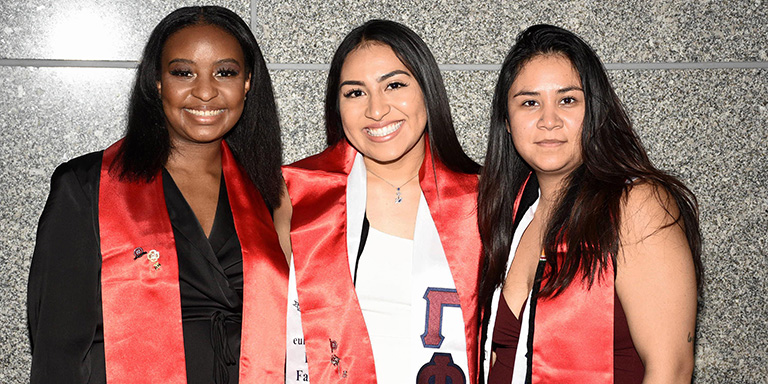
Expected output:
(627, 366)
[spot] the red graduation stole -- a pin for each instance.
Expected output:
(143, 336)
(573, 332)
(336, 340)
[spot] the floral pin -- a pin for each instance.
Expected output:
(336, 360)
(153, 256)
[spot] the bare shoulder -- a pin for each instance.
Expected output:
(653, 244)
(651, 230)
(647, 210)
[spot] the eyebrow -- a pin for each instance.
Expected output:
(380, 79)
(351, 82)
(230, 60)
(391, 74)
(563, 90)
(187, 61)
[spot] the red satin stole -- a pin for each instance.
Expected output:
(143, 335)
(573, 332)
(330, 311)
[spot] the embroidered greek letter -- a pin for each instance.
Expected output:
(441, 370)
(437, 299)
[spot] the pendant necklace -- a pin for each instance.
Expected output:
(398, 195)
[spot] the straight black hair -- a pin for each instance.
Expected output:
(255, 138)
(414, 54)
(586, 216)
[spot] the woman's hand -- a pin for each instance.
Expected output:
(656, 284)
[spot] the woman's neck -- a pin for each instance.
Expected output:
(195, 158)
(393, 191)
(400, 170)
(550, 187)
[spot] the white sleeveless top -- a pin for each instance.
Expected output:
(435, 334)
(384, 292)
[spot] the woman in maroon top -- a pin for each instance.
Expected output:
(592, 255)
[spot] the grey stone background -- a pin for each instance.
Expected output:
(692, 73)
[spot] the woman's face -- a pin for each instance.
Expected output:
(202, 85)
(546, 110)
(381, 105)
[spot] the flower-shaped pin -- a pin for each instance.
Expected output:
(153, 256)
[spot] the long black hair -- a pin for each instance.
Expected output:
(586, 215)
(414, 54)
(254, 140)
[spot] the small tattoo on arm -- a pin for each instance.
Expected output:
(689, 337)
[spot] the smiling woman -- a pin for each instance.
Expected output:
(150, 254)
(382, 107)
(385, 219)
(203, 84)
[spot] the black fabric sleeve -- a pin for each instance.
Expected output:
(63, 298)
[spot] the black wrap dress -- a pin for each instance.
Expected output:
(64, 296)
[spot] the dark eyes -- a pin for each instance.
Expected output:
(352, 93)
(396, 85)
(356, 92)
(565, 101)
(225, 72)
(180, 72)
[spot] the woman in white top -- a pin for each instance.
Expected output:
(385, 243)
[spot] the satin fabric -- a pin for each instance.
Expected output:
(143, 337)
(573, 334)
(265, 279)
(566, 348)
(336, 339)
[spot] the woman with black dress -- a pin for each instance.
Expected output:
(151, 254)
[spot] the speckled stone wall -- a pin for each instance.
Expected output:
(693, 75)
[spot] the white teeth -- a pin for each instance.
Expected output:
(383, 131)
(204, 112)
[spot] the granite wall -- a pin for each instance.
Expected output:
(693, 75)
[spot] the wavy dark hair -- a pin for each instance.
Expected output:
(414, 54)
(255, 138)
(586, 216)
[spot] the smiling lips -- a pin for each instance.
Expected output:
(204, 113)
(385, 130)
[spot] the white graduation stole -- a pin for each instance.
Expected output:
(296, 370)
(521, 361)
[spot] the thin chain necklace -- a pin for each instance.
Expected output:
(398, 195)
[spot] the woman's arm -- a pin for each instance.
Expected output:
(656, 284)
(63, 302)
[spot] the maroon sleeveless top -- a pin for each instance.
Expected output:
(627, 366)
